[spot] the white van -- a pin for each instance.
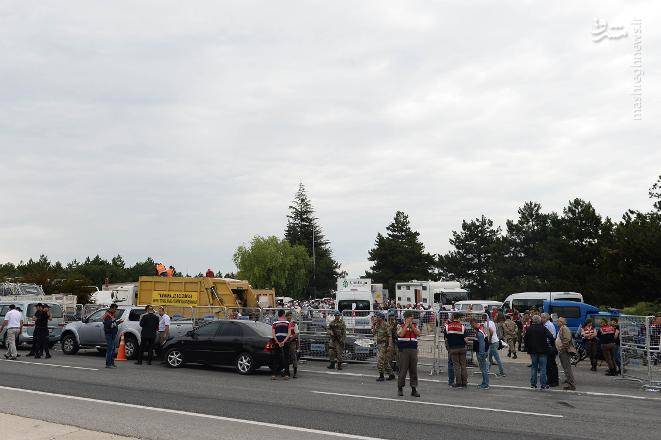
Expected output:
(529, 300)
(477, 305)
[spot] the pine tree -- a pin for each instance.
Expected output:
(399, 256)
(478, 249)
(303, 229)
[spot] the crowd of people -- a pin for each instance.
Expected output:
(396, 331)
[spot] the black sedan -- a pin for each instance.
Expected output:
(245, 344)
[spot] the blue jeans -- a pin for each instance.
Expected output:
(493, 353)
(484, 368)
(538, 365)
(618, 357)
(450, 371)
(110, 348)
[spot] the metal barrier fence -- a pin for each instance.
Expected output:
(640, 349)
(440, 350)
(360, 345)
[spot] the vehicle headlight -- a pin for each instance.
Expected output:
(364, 343)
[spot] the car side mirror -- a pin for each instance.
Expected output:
(85, 320)
(190, 333)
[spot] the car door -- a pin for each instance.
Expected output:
(229, 343)
(91, 331)
(201, 345)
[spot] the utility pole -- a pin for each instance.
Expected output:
(314, 267)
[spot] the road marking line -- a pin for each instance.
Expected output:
(49, 365)
(192, 414)
(449, 405)
(514, 387)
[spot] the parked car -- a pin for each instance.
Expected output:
(356, 347)
(244, 344)
(88, 333)
(28, 308)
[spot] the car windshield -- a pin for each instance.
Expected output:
(55, 310)
(347, 304)
(474, 307)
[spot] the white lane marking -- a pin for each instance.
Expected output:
(513, 387)
(49, 365)
(449, 405)
(192, 414)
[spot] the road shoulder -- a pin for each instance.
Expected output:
(23, 427)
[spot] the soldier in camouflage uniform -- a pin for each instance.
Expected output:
(383, 336)
(510, 330)
(393, 351)
(337, 331)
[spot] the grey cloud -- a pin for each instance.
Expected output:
(179, 132)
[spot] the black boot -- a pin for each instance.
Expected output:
(415, 392)
(331, 366)
(514, 356)
(381, 378)
(400, 392)
(509, 354)
(391, 377)
(339, 365)
(295, 372)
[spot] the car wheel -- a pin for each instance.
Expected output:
(174, 358)
(131, 346)
(245, 364)
(69, 344)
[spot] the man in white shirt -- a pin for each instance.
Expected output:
(163, 325)
(548, 324)
(494, 345)
(14, 323)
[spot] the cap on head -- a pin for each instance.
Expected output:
(337, 313)
(408, 314)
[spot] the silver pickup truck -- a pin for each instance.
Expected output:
(89, 333)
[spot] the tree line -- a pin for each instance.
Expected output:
(75, 277)
(611, 262)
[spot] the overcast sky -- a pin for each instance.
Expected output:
(178, 130)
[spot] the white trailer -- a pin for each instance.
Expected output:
(440, 293)
(120, 294)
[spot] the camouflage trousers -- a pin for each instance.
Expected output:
(336, 351)
(383, 357)
(511, 342)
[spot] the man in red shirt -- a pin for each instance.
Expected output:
(407, 341)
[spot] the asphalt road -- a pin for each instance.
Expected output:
(197, 402)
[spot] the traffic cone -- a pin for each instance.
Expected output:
(121, 352)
